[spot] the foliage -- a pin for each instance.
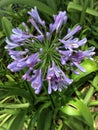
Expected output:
(76, 107)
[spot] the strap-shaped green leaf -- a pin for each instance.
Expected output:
(82, 110)
(31, 3)
(18, 122)
(33, 120)
(76, 7)
(7, 26)
(14, 106)
(44, 122)
(5, 92)
(74, 123)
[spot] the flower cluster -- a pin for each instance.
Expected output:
(44, 55)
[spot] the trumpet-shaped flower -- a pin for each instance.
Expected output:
(36, 17)
(55, 77)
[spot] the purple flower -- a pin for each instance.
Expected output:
(36, 17)
(17, 54)
(17, 65)
(36, 81)
(32, 59)
(11, 45)
(72, 32)
(55, 77)
(73, 43)
(40, 38)
(45, 55)
(26, 76)
(65, 54)
(35, 26)
(19, 36)
(78, 66)
(78, 57)
(59, 20)
(89, 53)
(48, 35)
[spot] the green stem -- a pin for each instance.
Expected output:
(84, 11)
(52, 101)
(89, 95)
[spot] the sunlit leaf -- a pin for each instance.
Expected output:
(89, 65)
(82, 110)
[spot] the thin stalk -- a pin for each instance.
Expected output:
(84, 11)
(52, 101)
(89, 94)
(50, 97)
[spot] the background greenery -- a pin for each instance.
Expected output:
(75, 108)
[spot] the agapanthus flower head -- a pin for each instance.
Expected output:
(46, 55)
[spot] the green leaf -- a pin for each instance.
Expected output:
(31, 3)
(89, 94)
(74, 123)
(36, 116)
(52, 4)
(92, 42)
(95, 82)
(48, 120)
(83, 112)
(76, 7)
(18, 121)
(89, 65)
(70, 110)
(45, 119)
(10, 78)
(7, 123)
(8, 105)
(5, 92)
(2, 128)
(33, 120)
(7, 26)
